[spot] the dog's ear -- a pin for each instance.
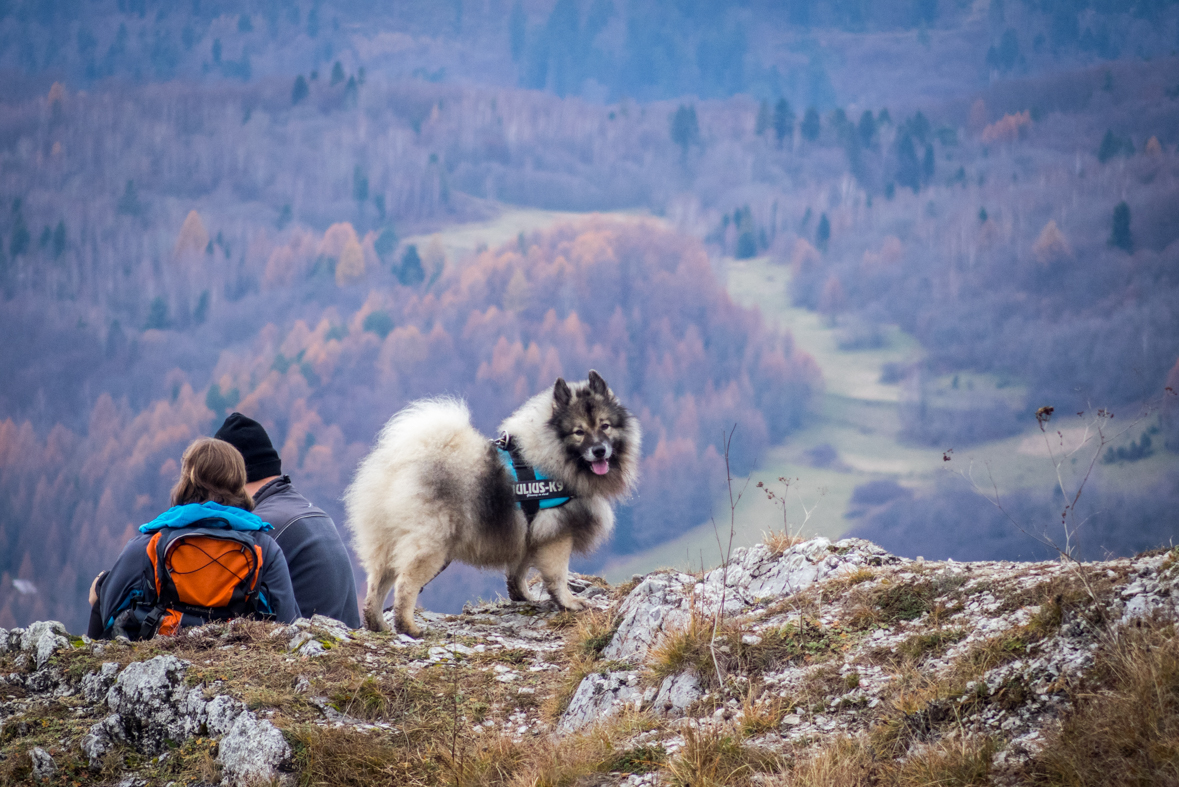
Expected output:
(597, 385)
(561, 393)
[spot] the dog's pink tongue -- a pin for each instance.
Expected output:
(601, 467)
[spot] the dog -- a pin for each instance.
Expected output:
(434, 490)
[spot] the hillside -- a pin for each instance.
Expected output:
(801, 663)
(300, 207)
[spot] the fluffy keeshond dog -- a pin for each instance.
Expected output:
(435, 490)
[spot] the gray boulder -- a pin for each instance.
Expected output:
(103, 737)
(220, 714)
(599, 697)
(43, 765)
(756, 575)
(659, 603)
(676, 694)
(254, 752)
(95, 685)
(42, 639)
(150, 705)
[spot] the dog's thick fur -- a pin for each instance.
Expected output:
(435, 490)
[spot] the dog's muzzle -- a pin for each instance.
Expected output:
(598, 457)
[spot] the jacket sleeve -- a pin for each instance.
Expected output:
(127, 581)
(276, 582)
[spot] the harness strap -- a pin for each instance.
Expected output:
(533, 492)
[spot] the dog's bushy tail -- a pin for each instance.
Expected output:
(424, 422)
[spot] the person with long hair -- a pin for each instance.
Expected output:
(210, 498)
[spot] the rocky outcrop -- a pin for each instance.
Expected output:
(785, 651)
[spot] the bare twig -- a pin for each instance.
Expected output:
(1095, 429)
(727, 552)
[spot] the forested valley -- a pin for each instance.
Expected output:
(208, 207)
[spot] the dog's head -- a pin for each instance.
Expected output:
(600, 436)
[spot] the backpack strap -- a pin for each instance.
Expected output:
(305, 515)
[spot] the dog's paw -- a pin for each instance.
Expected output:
(516, 592)
(410, 628)
(374, 621)
(573, 604)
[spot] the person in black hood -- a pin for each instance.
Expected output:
(321, 571)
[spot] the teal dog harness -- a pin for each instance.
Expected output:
(533, 490)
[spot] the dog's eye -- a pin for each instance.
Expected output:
(605, 426)
(579, 432)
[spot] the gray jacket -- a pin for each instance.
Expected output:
(321, 571)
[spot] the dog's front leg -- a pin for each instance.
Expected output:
(552, 560)
(517, 577)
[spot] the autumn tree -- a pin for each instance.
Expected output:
(350, 266)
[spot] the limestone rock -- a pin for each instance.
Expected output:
(756, 574)
(677, 693)
(220, 714)
(43, 765)
(95, 685)
(102, 737)
(42, 639)
(253, 752)
(657, 604)
(599, 697)
(154, 704)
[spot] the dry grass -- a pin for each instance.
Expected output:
(737, 648)
(845, 762)
(711, 758)
(687, 648)
(778, 541)
(763, 714)
(1124, 727)
(958, 762)
(568, 760)
(918, 647)
(592, 632)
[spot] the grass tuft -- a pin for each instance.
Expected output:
(711, 758)
(1124, 725)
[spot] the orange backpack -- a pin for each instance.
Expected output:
(200, 574)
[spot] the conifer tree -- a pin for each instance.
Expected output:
(823, 234)
(685, 130)
(300, 90)
(516, 31)
(783, 120)
(764, 118)
(908, 168)
(59, 239)
(810, 125)
(867, 128)
(1120, 236)
(411, 273)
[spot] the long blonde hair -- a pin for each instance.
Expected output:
(212, 469)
